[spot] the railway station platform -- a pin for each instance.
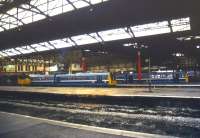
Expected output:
(20, 126)
(191, 85)
(156, 92)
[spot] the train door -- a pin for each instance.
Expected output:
(130, 78)
(99, 79)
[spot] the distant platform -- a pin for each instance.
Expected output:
(162, 85)
(20, 126)
(156, 92)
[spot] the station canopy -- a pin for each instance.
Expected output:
(17, 14)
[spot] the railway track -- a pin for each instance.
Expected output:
(158, 115)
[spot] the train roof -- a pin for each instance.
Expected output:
(76, 74)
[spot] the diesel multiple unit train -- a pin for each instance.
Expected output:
(156, 77)
(78, 79)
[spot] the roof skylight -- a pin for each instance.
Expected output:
(40, 9)
(11, 52)
(84, 39)
(115, 34)
(182, 24)
(62, 43)
(25, 49)
(151, 29)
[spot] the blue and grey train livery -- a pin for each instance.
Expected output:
(78, 79)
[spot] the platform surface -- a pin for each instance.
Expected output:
(189, 85)
(157, 92)
(19, 126)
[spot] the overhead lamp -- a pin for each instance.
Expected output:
(128, 44)
(144, 46)
(180, 38)
(188, 38)
(19, 29)
(102, 52)
(198, 47)
(135, 45)
(87, 50)
(197, 37)
(178, 54)
(91, 9)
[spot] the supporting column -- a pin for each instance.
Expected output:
(16, 65)
(139, 65)
(83, 64)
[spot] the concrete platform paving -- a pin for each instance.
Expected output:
(157, 92)
(190, 85)
(20, 126)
